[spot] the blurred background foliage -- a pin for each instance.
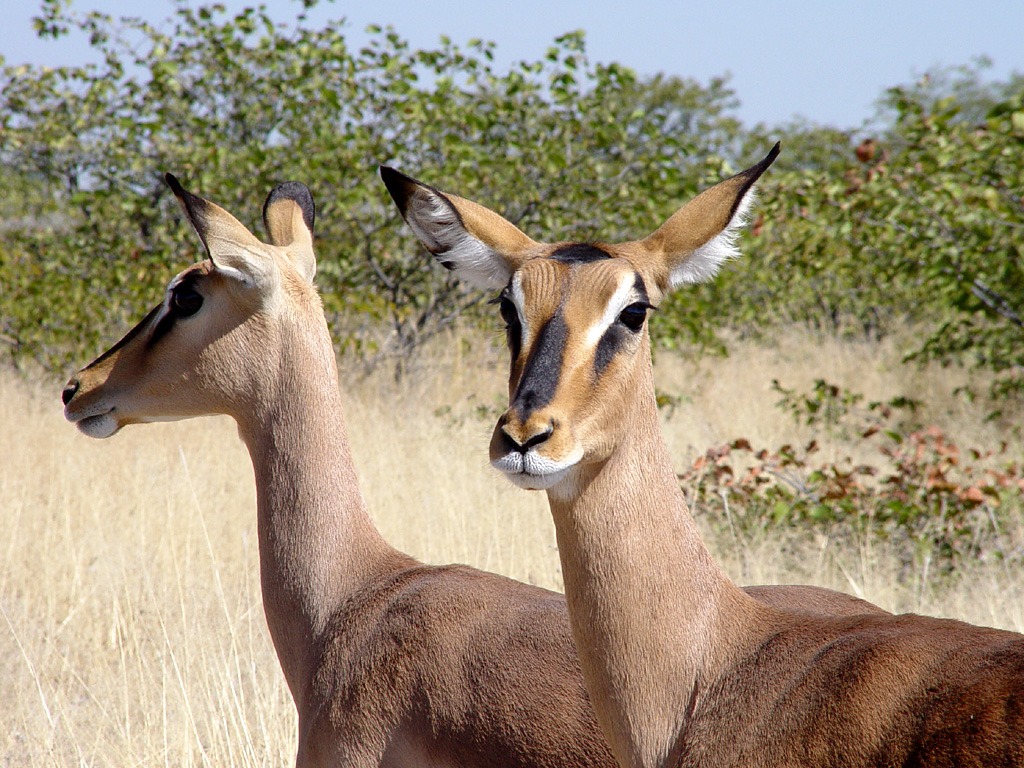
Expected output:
(915, 217)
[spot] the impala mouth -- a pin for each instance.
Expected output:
(97, 425)
(534, 472)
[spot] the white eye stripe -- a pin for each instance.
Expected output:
(519, 299)
(624, 296)
(165, 305)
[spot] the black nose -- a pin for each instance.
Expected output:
(69, 391)
(537, 439)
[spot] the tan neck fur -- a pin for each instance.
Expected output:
(317, 542)
(646, 600)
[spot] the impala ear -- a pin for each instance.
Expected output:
(699, 237)
(288, 215)
(232, 248)
(475, 243)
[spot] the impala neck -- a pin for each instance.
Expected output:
(647, 603)
(317, 542)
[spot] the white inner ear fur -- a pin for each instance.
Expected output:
(703, 264)
(437, 225)
(253, 270)
(624, 296)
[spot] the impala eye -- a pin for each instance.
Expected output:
(634, 315)
(508, 311)
(186, 301)
(510, 315)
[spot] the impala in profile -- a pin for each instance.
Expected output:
(390, 662)
(683, 667)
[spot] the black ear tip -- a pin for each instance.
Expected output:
(292, 190)
(299, 194)
(403, 189)
(756, 170)
(295, 191)
(174, 184)
(394, 179)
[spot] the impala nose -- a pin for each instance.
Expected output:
(536, 439)
(69, 391)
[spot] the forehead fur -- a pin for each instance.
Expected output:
(579, 253)
(554, 281)
(579, 290)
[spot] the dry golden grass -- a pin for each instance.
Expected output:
(724, 399)
(132, 631)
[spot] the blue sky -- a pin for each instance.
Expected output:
(823, 60)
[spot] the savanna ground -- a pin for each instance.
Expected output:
(132, 631)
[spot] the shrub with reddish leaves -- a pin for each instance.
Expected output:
(937, 502)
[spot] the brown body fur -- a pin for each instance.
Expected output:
(906, 691)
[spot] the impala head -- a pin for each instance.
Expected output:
(576, 314)
(203, 349)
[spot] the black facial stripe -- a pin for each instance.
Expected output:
(163, 326)
(615, 336)
(609, 345)
(128, 336)
(514, 338)
(641, 290)
(579, 253)
(540, 375)
(513, 328)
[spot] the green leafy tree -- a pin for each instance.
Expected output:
(920, 223)
(236, 103)
(923, 225)
(956, 194)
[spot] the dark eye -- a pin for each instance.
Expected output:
(508, 311)
(186, 301)
(634, 315)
